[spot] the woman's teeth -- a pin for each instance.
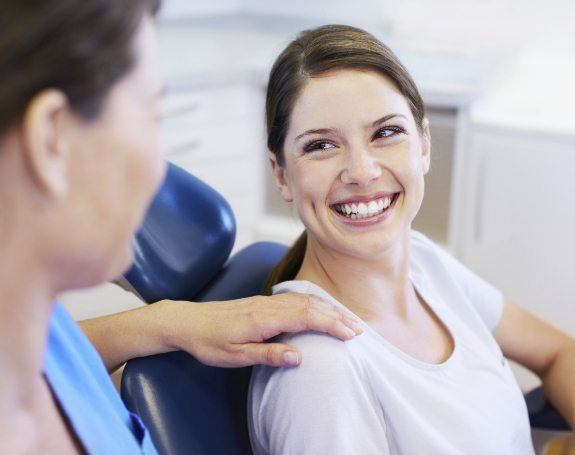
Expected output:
(364, 210)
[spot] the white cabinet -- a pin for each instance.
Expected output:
(215, 132)
(517, 219)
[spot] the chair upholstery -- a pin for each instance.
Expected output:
(181, 253)
(189, 407)
(542, 414)
(187, 236)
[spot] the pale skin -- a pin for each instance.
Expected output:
(338, 148)
(73, 191)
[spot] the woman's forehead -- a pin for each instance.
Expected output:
(344, 96)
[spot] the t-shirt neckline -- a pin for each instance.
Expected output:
(314, 289)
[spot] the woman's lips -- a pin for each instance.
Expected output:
(366, 213)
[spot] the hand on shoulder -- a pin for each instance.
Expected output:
(234, 333)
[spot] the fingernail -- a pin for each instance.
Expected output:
(355, 324)
(350, 333)
(353, 319)
(291, 358)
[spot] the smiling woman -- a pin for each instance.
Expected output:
(310, 59)
(350, 147)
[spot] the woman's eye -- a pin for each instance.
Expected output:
(388, 131)
(318, 145)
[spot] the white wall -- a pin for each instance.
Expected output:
(177, 9)
(325, 11)
(478, 24)
(463, 24)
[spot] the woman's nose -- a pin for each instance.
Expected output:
(361, 168)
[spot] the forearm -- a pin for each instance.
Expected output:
(123, 336)
(224, 334)
(559, 385)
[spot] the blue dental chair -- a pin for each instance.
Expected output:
(182, 253)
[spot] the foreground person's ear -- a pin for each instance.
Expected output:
(45, 150)
(280, 177)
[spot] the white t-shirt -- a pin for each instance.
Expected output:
(365, 396)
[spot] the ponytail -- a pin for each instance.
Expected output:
(289, 265)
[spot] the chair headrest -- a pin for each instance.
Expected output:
(185, 239)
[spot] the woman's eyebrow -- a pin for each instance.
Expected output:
(318, 131)
(378, 122)
(385, 118)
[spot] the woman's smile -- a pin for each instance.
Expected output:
(363, 211)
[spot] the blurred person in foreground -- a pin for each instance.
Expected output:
(79, 164)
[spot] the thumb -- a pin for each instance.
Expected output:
(272, 354)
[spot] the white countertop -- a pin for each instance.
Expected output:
(197, 52)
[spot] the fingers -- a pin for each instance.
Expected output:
(229, 334)
(313, 313)
(272, 354)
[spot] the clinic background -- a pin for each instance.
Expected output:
(497, 79)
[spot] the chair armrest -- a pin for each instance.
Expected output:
(542, 414)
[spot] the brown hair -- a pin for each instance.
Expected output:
(314, 53)
(82, 47)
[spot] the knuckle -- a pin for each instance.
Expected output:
(232, 349)
(309, 303)
(250, 315)
(339, 314)
(270, 356)
(307, 309)
(238, 355)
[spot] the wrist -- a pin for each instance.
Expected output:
(173, 325)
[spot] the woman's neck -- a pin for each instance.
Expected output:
(25, 310)
(371, 288)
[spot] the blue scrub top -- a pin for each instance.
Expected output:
(82, 386)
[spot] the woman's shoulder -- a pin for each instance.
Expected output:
(321, 355)
(322, 347)
(328, 366)
(328, 369)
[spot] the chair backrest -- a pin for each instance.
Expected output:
(185, 239)
(189, 407)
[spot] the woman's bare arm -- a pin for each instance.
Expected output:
(543, 349)
(226, 334)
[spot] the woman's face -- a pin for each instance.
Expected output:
(117, 165)
(354, 162)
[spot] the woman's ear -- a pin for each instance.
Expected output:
(280, 177)
(45, 149)
(425, 145)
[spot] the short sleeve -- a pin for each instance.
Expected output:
(485, 298)
(323, 406)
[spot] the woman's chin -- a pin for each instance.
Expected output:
(114, 267)
(125, 262)
(373, 242)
